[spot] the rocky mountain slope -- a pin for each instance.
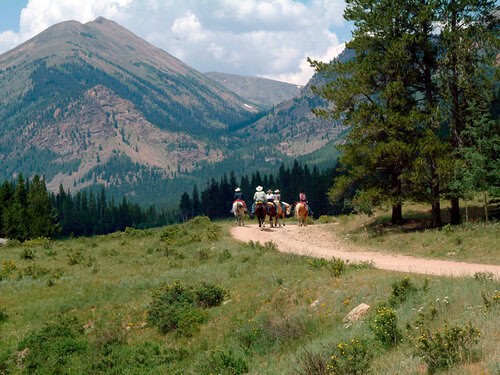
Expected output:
(293, 128)
(77, 94)
(93, 103)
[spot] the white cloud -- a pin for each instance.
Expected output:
(270, 38)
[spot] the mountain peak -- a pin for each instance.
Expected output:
(101, 20)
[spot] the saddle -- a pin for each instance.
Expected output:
(242, 202)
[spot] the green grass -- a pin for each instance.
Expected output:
(90, 307)
(475, 241)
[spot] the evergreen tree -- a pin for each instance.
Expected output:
(40, 213)
(6, 199)
(185, 206)
(196, 202)
(374, 94)
(15, 222)
(469, 38)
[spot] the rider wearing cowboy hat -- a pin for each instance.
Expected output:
(259, 196)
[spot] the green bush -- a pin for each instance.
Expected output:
(75, 257)
(401, 290)
(27, 253)
(350, 358)
(385, 327)
(313, 363)
(223, 361)
(209, 295)
(336, 266)
(442, 349)
(224, 255)
(33, 270)
(3, 314)
(38, 242)
(179, 307)
(50, 349)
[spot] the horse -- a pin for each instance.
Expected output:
(282, 214)
(301, 213)
(271, 212)
(260, 212)
(239, 210)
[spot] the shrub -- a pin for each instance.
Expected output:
(33, 270)
(179, 307)
(3, 314)
(401, 290)
(38, 242)
(350, 358)
(27, 253)
(336, 266)
(75, 257)
(209, 295)
(490, 300)
(484, 276)
(443, 349)
(204, 254)
(8, 266)
(313, 363)
(223, 361)
(385, 328)
(224, 255)
(50, 349)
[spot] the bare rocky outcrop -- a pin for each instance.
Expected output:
(355, 314)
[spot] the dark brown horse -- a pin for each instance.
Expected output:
(260, 212)
(272, 213)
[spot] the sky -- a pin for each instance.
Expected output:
(265, 38)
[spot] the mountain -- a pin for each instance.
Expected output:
(266, 93)
(87, 104)
(292, 127)
(78, 94)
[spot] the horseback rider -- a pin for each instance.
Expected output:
(277, 200)
(258, 197)
(238, 197)
(270, 199)
(303, 199)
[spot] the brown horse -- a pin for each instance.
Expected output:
(260, 212)
(271, 212)
(301, 213)
(280, 214)
(239, 210)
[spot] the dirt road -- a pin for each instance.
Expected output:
(319, 240)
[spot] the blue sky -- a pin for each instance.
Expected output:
(10, 11)
(267, 38)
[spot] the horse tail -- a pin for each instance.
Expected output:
(235, 207)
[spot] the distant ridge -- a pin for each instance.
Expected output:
(261, 91)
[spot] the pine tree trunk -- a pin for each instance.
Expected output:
(397, 209)
(436, 206)
(397, 214)
(455, 211)
(486, 206)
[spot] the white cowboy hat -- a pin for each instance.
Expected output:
(269, 191)
(258, 188)
(237, 189)
(277, 191)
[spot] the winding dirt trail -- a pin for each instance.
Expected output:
(319, 240)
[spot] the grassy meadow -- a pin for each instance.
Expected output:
(188, 299)
(475, 241)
